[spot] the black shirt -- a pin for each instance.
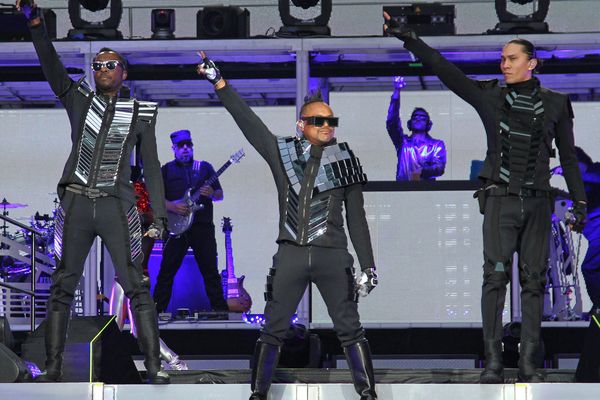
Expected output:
(179, 177)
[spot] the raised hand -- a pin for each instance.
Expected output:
(394, 28)
(208, 69)
(399, 82)
(28, 8)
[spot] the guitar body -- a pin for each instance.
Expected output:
(238, 299)
(178, 224)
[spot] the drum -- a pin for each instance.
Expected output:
(563, 292)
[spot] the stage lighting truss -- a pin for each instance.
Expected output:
(305, 26)
(89, 30)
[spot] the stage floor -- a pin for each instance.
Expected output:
(99, 391)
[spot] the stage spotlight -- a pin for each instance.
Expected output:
(222, 22)
(309, 26)
(163, 23)
(92, 30)
(528, 23)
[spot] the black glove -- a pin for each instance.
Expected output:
(212, 74)
(366, 282)
(158, 229)
(578, 216)
(402, 32)
(30, 10)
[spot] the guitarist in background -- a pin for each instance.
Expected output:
(180, 175)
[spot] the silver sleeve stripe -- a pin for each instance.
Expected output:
(135, 232)
(147, 110)
(59, 224)
(87, 145)
(114, 146)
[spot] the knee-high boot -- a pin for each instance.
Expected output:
(147, 335)
(529, 359)
(358, 356)
(55, 335)
(266, 357)
(494, 369)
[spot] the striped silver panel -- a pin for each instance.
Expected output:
(115, 143)
(294, 155)
(147, 110)
(135, 231)
(84, 88)
(87, 145)
(291, 212)
(319, 211)
(339, 167)
(59, 225)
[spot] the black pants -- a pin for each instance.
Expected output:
(521, 224)
(117, 223)
(201, 237)
(294, 267)
(591, 263)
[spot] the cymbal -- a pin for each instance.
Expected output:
(5, 204)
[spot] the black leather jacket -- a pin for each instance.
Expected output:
(101, 143)
(350, 196)
(487, 98)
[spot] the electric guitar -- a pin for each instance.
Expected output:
(178, 224)
(238, 299)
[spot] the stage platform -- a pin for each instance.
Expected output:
(99, 391)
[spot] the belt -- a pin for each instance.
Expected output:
(494, 190)
(91, 193)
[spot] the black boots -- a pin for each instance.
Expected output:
(529, 360)
(147, 336)
(358, 356)
(494, 369)
(266, 357)
(57, 323)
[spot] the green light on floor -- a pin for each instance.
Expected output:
(416, 65)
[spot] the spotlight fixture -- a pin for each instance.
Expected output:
(163, 23)
(222, 22)
(312, 26)
(102, 30)
(511, 23)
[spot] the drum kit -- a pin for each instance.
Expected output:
(563, 301)
(15, 248)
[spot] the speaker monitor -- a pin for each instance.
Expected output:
(12, 368)
(588, 368)
(111, 360)
(222, 22)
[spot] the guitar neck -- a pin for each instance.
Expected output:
(229, 255)
(196, 194)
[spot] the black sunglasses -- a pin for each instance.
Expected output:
(110, 65)
(320, 121)
(184, 143)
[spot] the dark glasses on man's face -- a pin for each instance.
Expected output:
(110, 65)
(185, 143)
(320, 121)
